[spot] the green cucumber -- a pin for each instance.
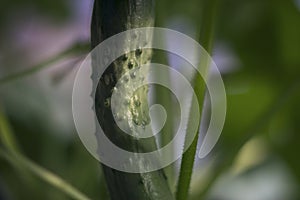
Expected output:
(109, 18)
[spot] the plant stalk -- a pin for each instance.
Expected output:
(206, 40)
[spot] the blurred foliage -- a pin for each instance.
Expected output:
(55, 10)
(262, 92)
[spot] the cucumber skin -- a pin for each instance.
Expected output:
(109, 18)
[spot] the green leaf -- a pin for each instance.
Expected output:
(74, 49)
(13, 155)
